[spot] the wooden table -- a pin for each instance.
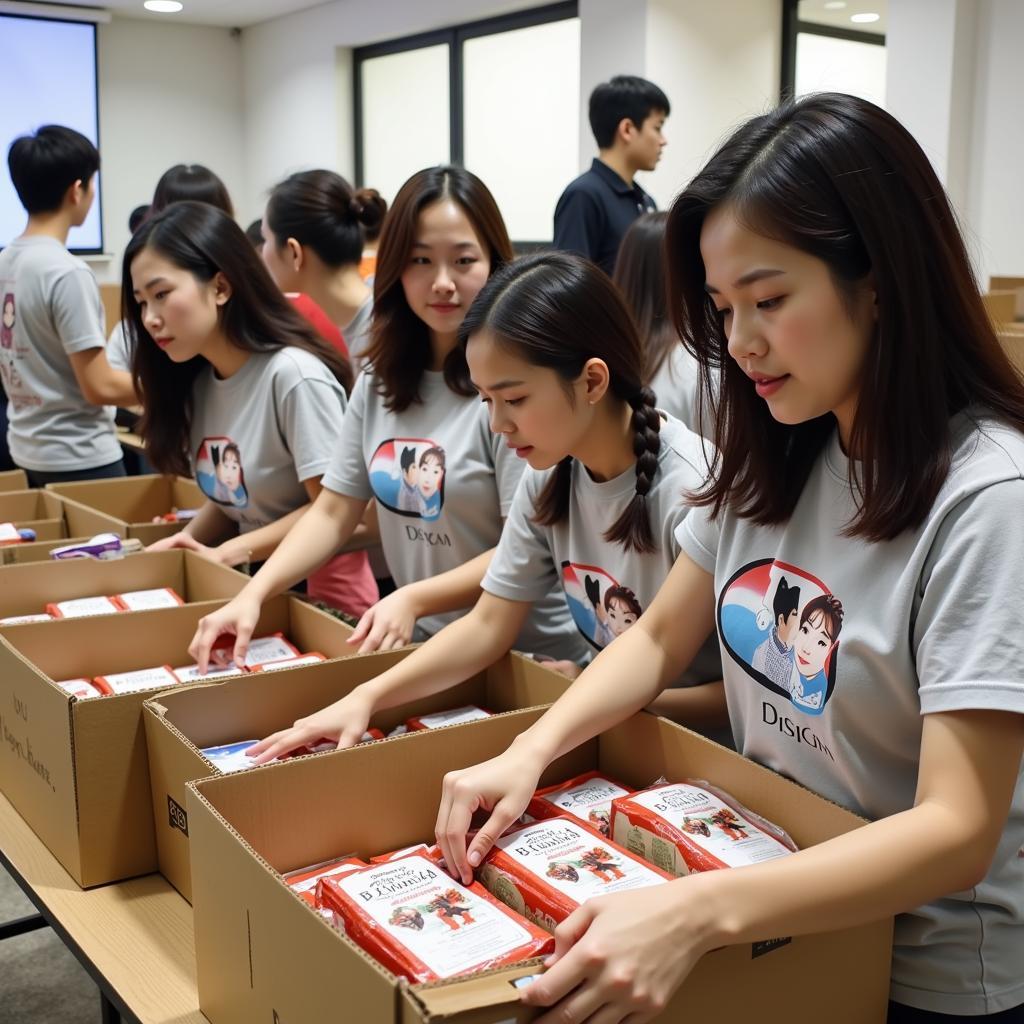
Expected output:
(130, 440)
(134, 938)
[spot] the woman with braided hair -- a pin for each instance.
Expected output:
(550, 347)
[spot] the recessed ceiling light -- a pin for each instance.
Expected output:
(163, 6)
(835, 5)
(864, 19)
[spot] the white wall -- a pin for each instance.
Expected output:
(168, 94)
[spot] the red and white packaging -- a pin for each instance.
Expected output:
(303, 659)
(304, 882)
(690, 826)
(468, 713)
(144, 600)
(587, 798)
(191, 674)
(372, 734)
(159, 678)
(17, 620)
(81, 607)
(421, 924)
(262, 649)
(547, 869)
(432, 852)
(83, 689)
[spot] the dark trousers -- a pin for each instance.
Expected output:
(108, 472)
(900, 1014)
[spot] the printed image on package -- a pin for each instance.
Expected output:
(587, 798)
(219, 472)
(420, 924)
(407, 476)
(601, 607)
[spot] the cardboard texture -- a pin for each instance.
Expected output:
(34, 510)
(34, 551)
(1013, 284)
(13, 480)
(179, 724)
(25, 589)
(128, 505)
(75, 770)
(263, 955)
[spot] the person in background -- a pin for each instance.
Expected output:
(371, 238)
(53, 360)
(137, 216)
(626, 116)
(254, 232)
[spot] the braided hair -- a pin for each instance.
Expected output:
(557, 310)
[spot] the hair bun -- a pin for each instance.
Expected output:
(368, 207)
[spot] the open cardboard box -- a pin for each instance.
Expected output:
(76, 770)
(34, 510)
(27, 589)
(128, 505)
(13, 480)
(263, 955)
(179, 724)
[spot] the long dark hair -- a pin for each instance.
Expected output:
(558, 310)
(640, 276)
(320, 209)
(190, 182)
(840, 179)
(400, 342)
(204, 240)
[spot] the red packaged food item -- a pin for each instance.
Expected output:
(545, 870)
(372, 734)
(191, 673)
(144, 600)
(432, 852)
(439, 719)
(80, 607)
(421, 924)
(304, 880)
(159, 678)
(692, 826)
(83, 688)
(17, 620)
(587, 798)
(262, 649)
(303, 659)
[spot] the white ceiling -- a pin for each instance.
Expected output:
(816, 11)
(227, 13)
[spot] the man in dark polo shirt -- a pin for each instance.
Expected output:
(595, 211)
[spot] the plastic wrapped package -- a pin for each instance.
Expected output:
(312, 658)
(83, 689)
(17, 620)
(690, 826)
(81, 607)
(262, 650)
(439, 719)
(159, 678)
(587, 798)
(304, 882)
(191, 673)
(422, 925)
(545, 870)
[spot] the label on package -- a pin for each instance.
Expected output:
(83, 689)
(261, 650)
(469, 713)
(447, 927)
(143, 679)
(143, 600)
(302, 659)
(230, 757)
(710, 824)
(191, 674)
(590, 799)
(81, 607)
(17, 620)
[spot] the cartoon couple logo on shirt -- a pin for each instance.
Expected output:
(600, 606)
(219, 472)
(781, 625)
(407, 476)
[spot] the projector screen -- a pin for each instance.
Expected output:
(48, 76)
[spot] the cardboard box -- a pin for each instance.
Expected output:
(34, 551)
(76, 770)
(13, 480)
(1012, 341)
(179, 724)
(1013, 284)
(25, 589)
(128, 505)
(263, 955)
(34, 510)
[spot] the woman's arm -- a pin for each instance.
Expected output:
(944, 844)
(203, 533)
(702, 706)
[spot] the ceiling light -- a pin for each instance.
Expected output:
(163, 6)
(835, 5)
(864, 19)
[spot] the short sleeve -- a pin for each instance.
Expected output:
(118, 350)
(698, 535)
(347, 473)
(968, 644)
(77, 311)
(522, 567)
(578, 224)
(311, 418)
(508, 467)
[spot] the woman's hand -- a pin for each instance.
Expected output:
(223, 554)
(503, 785)
(622, 956)
(238, 618)
(344, 722)
(389, 624)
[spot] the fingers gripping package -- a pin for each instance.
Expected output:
(262, 650)
(421, 924)
(587, 798)
(456, 716)
(232, 757)
(545, 870)
(690, 826)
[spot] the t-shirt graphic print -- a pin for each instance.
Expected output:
(407, 476)
(601, 607)
(781, 625)
(219, 472)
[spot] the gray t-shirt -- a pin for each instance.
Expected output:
(925, 623)
(357, 334)
(676, 384)
(119, 350)
(606, 587)
(51, 309)
(259, 433)
(442, 482)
